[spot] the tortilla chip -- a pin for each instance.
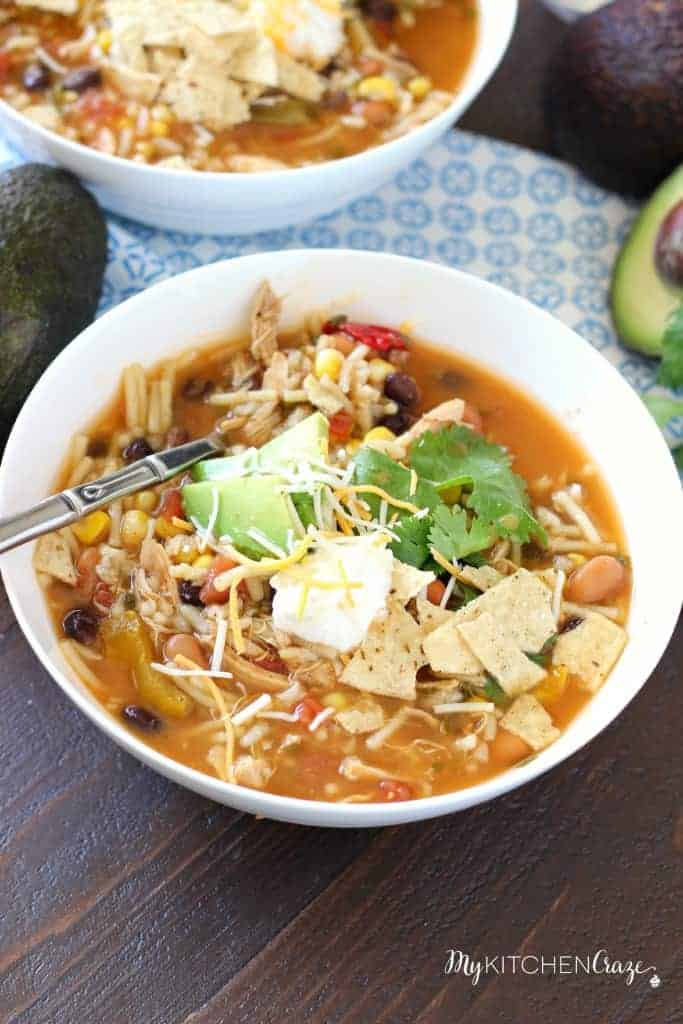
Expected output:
(299, 80)
(256, 61)
(200, 92)
(446, 651)
(54, 6)
(53, 556)
(431, 616)
(407, 581)
(490, 642)
(387, 661)
(528, 719)
(590, 650)
(174, 163)
(522, 603)
(139, 85)
(483, 578)
(364, 717)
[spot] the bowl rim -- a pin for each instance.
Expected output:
(476, 77)
(297, 809)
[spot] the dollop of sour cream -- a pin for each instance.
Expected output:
(332, 596)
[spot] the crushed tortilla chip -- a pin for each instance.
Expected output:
(528, 719)
(490, 642)
(407, 581)
(53, 556)
(590, 650)
(387, 661)
(364, 717)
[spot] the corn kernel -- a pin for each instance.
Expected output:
(379, 434)
(577, 559)
(203, 562)
(146, 501)
(419, 87)
(125, 122)
(159, 129)
(553, 686)
(186, 553)
(145, 149)
(329, 362)
(353, 445)
(166, 528)
(377, 87)
(379, 370)
(134, 529)
(104, 41)
(93, 528)
(335, 700)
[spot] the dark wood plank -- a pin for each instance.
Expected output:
(126, 900)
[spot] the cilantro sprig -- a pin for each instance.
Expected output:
(456, 456)
(455, 535)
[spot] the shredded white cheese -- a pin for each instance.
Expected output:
(321, 717)
(251, 710)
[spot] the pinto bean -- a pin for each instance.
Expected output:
(378, 113)
(472, 417)
(597, 579)
(186, 645)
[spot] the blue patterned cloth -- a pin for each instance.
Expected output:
(514, 217)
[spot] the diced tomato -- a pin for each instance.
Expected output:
(341, 425)
(208, 594)
(271, 663)
(472, 417)
(95, 105)
(435, 591)
(171, 505)
(308, 709)
(5, 66)
(381, 339)
(392, 789)
(102, 598)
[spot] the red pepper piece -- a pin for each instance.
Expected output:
(341, 425)
(381, 339)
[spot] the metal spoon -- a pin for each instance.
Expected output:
(76, 502)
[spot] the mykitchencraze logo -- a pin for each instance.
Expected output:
(458, 962)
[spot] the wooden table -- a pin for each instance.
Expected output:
(126, 900)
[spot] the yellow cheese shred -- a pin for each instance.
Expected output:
(373, 489)
(443, 562)
(219, 701)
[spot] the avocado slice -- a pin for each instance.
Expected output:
(307, 441)
(642, 299)
(53, 250)
(244, 504)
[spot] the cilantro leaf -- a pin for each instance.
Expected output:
(678, 456)
(457, 456)
(494, 691)
(543, 656)
(376, 468)
(671, 368)
(412, 546)
(663, 409)
(454, 536)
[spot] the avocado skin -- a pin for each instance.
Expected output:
(53, 249)
(614, 94)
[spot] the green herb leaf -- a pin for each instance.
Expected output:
(455, 536)
(671, 368)
(412, 546)
(458, 456)
(376, 468)
(494, 691)
(678, 456)
(663, 409)
(543, 656)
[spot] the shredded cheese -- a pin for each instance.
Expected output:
(169, 670)
(251, 710)
(219, 645)
(443, 562)
(321, 717)
(468, 706)
(223, 715)
(380, 493)
(446, 596)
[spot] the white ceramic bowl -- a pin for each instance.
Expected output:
(212, 203)
(445, 306)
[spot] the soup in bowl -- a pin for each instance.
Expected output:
(137, 96)
(389, 598)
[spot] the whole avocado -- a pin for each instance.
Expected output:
(614, 94)
(53, 249)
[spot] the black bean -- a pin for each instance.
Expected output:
(80, 624)
(379, 10)
(571, 624)
(36, 78)
(141, 717)
(139, 448)
(189, 593)
(399, 422)
(401, 388)
(81, 79)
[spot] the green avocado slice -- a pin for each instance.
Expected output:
(244, 504)
(642, 300)
(307, 441)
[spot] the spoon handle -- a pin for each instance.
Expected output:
(72, 504)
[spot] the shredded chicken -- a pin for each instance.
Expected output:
(264, 323)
